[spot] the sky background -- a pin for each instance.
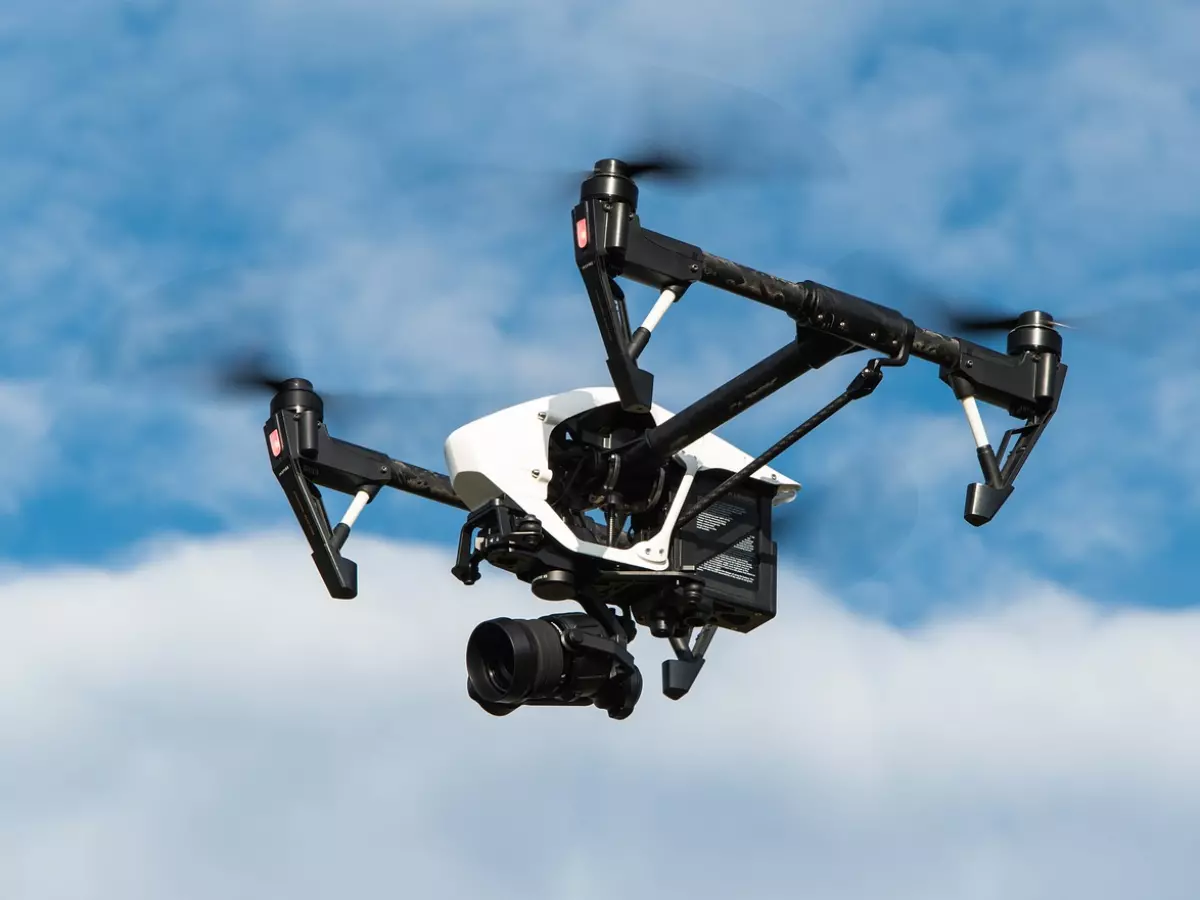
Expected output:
(937, 711)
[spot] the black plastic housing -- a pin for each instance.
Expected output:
(304, 458)
(730, 549)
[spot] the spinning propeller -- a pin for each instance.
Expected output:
(967, 322)
(675, 129)
(251, 373)
(886, 281)
(259, 374)
(666, 165)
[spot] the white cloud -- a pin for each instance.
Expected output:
(205, 721)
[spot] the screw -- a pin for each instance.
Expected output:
(970, 362)
(536, 473)
(542, 416)
(694, 267)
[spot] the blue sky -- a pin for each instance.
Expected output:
(177, 178)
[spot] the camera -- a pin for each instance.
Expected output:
(568, 659)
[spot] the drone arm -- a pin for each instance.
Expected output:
(807, 352)
(423, 483)
(305, 458)
(1026, 381)
(599, 233)
(610, 243)
(863, 385)
(660, 261)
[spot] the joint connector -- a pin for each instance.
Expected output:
(990, 466)
(864, 383)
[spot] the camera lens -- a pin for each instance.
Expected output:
(497, 656)
(517, 661)
(511, 661)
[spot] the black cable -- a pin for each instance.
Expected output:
(863, 384)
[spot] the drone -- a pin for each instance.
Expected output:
(600, 497)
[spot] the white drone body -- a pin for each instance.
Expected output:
(506, 454)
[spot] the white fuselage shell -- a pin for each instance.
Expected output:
(506, 453)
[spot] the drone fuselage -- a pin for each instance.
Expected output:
(508, 454)
(547, 463)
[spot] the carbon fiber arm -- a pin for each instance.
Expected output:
(303, 467)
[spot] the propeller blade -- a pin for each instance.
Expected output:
(665, 164)
(969, 323)
(672, 128)
(876, 278)
(251, 373)
(258, 373)
(693, 127)
(204, 333)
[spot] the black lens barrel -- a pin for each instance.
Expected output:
(511, 662)
(514, 660)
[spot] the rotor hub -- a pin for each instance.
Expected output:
(1035, 333)
(610, 179)
(297, 395)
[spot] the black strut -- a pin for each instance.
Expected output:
(861, 386)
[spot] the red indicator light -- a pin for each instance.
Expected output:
(276, 443)
(581, 233)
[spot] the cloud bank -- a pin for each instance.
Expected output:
(204, 721)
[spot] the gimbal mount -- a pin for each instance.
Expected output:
(618, 459)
